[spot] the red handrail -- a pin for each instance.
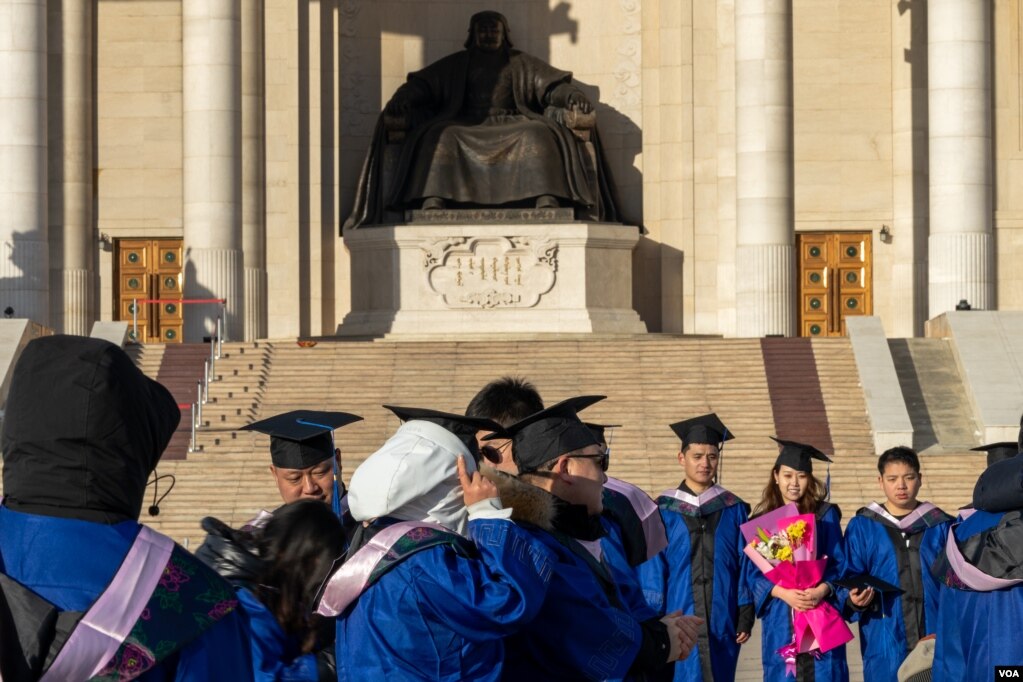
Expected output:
(180, 300)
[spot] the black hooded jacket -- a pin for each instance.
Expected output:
(83, 430)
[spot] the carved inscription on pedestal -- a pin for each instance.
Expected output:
(490, 272)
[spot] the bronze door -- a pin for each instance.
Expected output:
(834, 281)
(150, 270)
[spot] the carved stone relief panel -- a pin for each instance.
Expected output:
(490, 272)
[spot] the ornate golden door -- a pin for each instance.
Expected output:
(834, 281)
(150, 270)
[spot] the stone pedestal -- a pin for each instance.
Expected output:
(496, 278)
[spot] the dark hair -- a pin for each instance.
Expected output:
(899, 453)
(772, 498)
(488, 16)
(298, 547)
(505, 401)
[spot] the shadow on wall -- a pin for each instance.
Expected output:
(23, 278)
(200, 319)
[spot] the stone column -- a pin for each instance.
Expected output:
(24, 265)
(908, 244)
(253, 171)
(211, 74)
(71, 165)
(960, 246)
(765, 256)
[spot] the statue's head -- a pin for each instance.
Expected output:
(488, 31)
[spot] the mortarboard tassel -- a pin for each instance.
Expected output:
(335, 496)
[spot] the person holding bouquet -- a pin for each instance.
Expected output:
(700, 570)
(792, 483)
(895, 542)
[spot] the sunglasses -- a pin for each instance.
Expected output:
(494, 453)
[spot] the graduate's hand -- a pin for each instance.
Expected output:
(682, 632)
(861, 598)
(742, 638)
(809, 599)
(475, 489)
(794, 598)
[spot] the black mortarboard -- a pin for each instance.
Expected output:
(996, 452)
(704, 429)
(865, 580)
(1000, 487)
(799, 456)
(599, 431)
(463, 427)
(549, 433)
(301, 438)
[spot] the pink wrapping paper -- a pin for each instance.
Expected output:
(821, 628)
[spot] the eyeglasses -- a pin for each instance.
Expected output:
(604, 459)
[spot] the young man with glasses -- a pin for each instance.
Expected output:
(584, 628)
(699, 572)
(505, 401)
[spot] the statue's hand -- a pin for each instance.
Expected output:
(578, 101)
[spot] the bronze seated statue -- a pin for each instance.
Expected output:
(489, 126)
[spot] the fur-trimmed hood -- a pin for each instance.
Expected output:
(528, 503)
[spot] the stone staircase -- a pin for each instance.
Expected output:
(222, 476)
(943, 426)
(651, 381)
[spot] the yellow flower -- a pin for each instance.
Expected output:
(797, 530)
(785, 553)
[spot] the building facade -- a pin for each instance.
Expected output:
(791, 162)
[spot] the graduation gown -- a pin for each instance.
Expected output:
(900, 552)
(276, 657)
(585, 601)
(699, 573)
(70, 562)
(625, 576)
(776, 616)
(441, 613)
(978, 627)
(631, 538)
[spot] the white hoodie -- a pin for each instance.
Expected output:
(414, 477)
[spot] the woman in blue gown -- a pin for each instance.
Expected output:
(297, 549)
(792, 480)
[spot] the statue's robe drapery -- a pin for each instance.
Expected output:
(482, 138)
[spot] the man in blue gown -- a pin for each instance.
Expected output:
(895, 542)
(633, 532)
(981, 572)
(84, 429)
(503, 401)
(700, 570)
(584, 630)
(438, 575)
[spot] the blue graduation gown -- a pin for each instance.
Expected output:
(584, 630)
(276, 657)
(700, 573)
(976, 630)
(776, 616)
(441, 615)
(70, 562)
(893, 624)
(625, 575)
